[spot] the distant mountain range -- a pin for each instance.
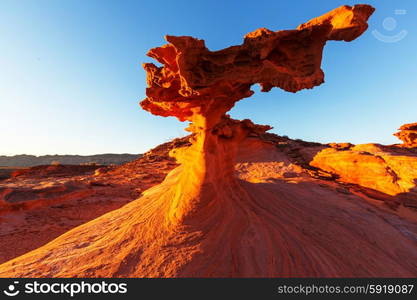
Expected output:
(32, 160)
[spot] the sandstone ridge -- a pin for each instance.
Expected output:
(408, 134)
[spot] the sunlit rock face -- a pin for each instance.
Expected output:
(198, 85)
(408, 134)
(194, 80)
(388, 173)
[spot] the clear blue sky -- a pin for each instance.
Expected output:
(71, 76)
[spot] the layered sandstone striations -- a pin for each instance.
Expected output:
(408, 134)
(391, 170)
(278, 164)
(236, 206)
(40, 203)
(388, 172)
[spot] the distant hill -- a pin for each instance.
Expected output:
(32, 160)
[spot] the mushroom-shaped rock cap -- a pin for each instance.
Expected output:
(410, 126)
(193, 77)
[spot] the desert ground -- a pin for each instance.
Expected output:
(360, 196)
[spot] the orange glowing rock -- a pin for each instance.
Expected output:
(200, 86)
(386, 169)
(408, 134)
(194, 80)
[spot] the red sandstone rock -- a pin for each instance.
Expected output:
(384, 169)
(408, 134)
(194, 79)
(200, 86)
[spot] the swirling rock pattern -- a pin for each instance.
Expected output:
(273, 225)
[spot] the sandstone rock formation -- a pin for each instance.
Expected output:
(408, 134)
(238, 205)
(386, 171)
(196, 81)
(200, 86)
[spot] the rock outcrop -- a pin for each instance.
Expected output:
(196, 81)
(198, 85)
(408, 134)
(389, 172)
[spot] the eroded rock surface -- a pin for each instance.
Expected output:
(389, 172)
(408, 134)
(194, 80)
(200, 86)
